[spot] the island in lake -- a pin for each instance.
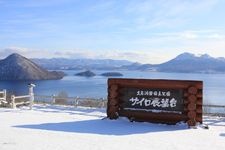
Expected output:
(87, 73)
(112, 74)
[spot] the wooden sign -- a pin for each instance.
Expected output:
(162, 101)
(152, 99)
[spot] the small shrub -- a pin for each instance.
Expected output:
(61, 98)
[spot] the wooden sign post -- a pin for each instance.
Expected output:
(160, 101)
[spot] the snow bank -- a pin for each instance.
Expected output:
(67, 128)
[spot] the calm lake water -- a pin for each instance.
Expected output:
(96, 87)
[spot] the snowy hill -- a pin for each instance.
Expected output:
(68, 128)
(185, 63)
(80, 64)
(17, 67)
(188, 62)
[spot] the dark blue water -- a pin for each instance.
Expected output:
(96, 87)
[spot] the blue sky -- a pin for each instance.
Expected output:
(148, 31)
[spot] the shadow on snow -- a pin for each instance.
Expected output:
(105, 127)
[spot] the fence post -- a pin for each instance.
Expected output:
(13, 101)
(103, 103)
(53, 99)
(31, 93)
(3, 98)
(76, 101)
(4, 94)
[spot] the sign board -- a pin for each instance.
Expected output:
(153, 99)
(163, 101)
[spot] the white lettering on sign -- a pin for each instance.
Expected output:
(155, 102)
(153, 93)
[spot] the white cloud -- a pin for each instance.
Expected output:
(190, 35)
(7, 51)
(169, 14)
(127, 26)
(138, 56)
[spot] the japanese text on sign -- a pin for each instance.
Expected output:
(155, 102)
(162, 99)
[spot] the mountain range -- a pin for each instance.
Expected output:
(80, 64)
(185, 63)
(17, 67)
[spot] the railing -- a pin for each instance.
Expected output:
(75, 101)
(30, 96)
(14, 103)
(102, 103)
(215, 106)
(3, 97)
(214, 109)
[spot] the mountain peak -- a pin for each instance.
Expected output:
(205, 56)
(15, 57)
(188, 62)
(17, 67)
(185, 55)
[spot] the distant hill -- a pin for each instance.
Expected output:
(17, 67)
(138, 66)
(186, 63)
(80, 64)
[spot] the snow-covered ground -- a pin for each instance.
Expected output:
(66, 128)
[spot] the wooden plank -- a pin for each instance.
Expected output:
(199, 118)
(198, 95)
(191, 106)
(215, 106)
(21, 103)
(192, 98)
(191, 114)
(155, 83)
(153, 117)
(24, 96)
(199, 111)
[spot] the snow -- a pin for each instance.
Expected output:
(49, 127)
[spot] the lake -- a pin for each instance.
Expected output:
(96, 87)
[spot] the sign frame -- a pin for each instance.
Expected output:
(192, 100)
